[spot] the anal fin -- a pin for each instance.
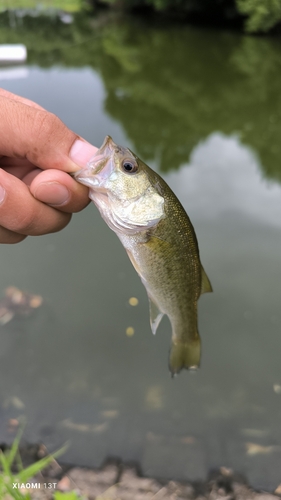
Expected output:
(155, 315)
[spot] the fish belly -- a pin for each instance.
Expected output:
(169, 282)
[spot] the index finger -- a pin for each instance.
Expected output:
(41, 137)
(23, 100)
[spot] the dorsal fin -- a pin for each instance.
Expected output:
(205, 282)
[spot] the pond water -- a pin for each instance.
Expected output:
(203, 108)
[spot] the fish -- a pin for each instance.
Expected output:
(139, 206)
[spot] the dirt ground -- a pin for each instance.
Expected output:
(103, 485)
(117, 481)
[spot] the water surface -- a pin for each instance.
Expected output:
(202, 110)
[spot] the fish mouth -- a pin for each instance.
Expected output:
(87, 177)
(108, 144)
(91, 175)
(100, 165)
(108, 147)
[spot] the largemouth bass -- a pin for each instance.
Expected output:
(159, 238)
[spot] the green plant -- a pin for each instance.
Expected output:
(71, 495)
(8, 479)
(262, 14)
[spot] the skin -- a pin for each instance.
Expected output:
(37, 151)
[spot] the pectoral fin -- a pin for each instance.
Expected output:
(205, 282)
(133, 261)
(155, 315)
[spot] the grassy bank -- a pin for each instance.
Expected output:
(66, 5)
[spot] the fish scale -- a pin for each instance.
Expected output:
(139, 206)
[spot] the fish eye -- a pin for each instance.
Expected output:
(130, 166)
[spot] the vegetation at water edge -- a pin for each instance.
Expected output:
(257, 16)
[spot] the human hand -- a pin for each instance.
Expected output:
(37, 196)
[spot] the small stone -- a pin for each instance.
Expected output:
(226, 472)
(64, 484)
(5, 315)
(154, 397)
(13, 424)
(278, 490)
(14, 402)
(264, 496)
(277, 388)
(14, 294)
(35, 301)
(258, 449)
(110, 413)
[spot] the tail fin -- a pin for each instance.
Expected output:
(184, 355)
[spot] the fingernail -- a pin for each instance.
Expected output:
(52, 193)
(2, 194)
(81, 152)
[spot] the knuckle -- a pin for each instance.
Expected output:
(51, 139)
(50, 222)
(44, 125)
(22, 223)
(16, 238)
(63, 221)
(9, 237)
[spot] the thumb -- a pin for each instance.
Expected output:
(41, 137)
